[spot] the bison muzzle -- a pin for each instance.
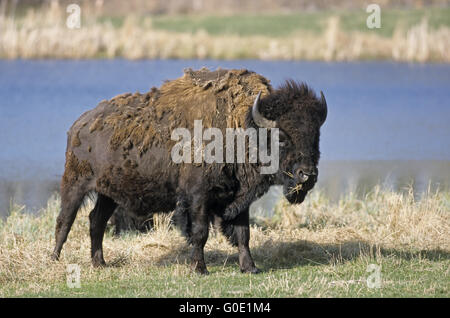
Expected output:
(121, 150)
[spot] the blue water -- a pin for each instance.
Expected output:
(376, 110)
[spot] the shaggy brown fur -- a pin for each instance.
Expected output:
(122, 150)
(75, 169)
(220, 98)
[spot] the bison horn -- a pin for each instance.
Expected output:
(323, 102)
(322, 99)
(259, 119)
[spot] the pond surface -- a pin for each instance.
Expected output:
(387, 122)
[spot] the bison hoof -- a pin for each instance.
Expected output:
(201, 270)
(98, 263)
(253, 270)
(54, 257)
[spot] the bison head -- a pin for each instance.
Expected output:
(298, 114)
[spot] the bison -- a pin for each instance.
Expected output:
(122, 151)
(122, 221)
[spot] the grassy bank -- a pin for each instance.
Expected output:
(283, 25)
(318, 249)
(405, 35)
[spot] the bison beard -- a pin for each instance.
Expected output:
(121, 150)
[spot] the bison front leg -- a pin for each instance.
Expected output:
(99, 216)
(241, 231)
(237, 231)
(200, 227)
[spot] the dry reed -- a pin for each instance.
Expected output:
(43, 34)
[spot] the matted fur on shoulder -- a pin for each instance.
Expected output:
(219, 98)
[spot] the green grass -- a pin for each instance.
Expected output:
(411, 277)
(244, 25)
(279, 25)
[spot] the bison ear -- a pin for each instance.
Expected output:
(324, 108)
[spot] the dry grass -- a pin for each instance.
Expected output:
(43, 34)
(385, 218)
(337, 238)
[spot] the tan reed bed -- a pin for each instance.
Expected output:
(43, 34)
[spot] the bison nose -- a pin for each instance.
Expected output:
(301, 176)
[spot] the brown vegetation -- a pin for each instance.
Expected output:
(112, 7)
(43, 34)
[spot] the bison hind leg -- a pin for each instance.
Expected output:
(99, 216)
(71, 200)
